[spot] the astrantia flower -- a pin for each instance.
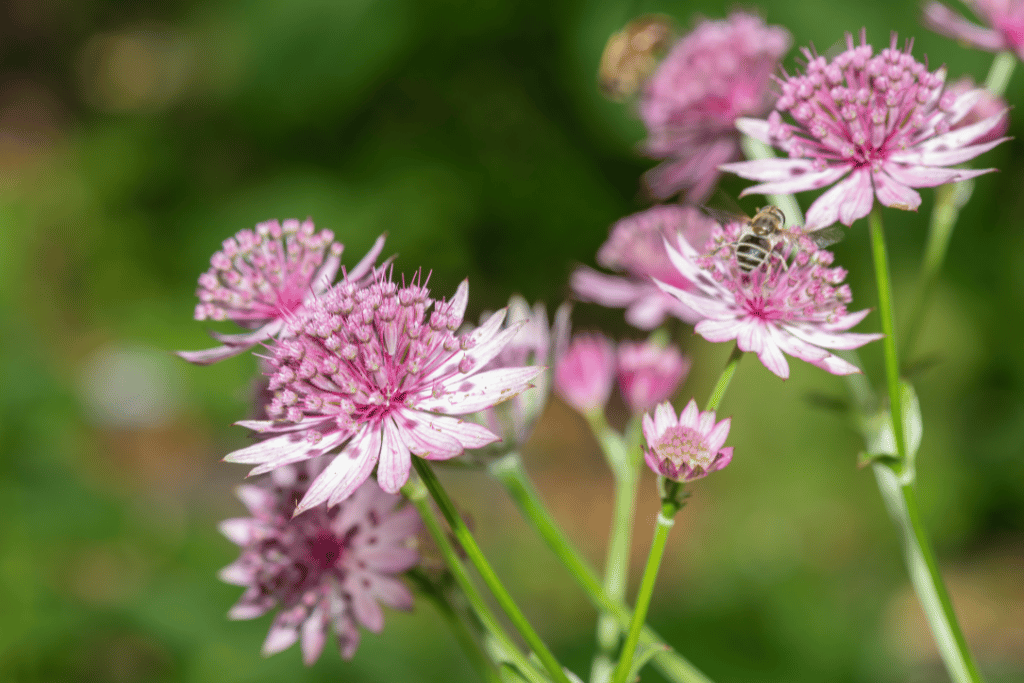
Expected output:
(374, 370)
(714, 74)
(535, 344)
(324, 570)
(585, 372)
(880, 124)
(1004, 20)
(799, 310)
(649, 373)
(687, 447)
(987, 105)
(636, 247)
(262, 277)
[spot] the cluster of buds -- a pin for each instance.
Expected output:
(647, 373)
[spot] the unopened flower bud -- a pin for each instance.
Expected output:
(649, 373)
(584, 375)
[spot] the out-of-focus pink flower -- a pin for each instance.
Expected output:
(876, 126)
(1004, 20)
(988, 105)
(636, 248)
(324, 570)
(687, 447)
(262, 278)
(374, 370)
(649, 373)
(535, 344)
(714, 74)
(799, 310)
(584, 375)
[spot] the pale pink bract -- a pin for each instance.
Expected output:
(636, 248)
(773, 311)
(687, 447)
(719, 71)
(1004, 20)
(870, 126)
(375, 371)
(262, 277)
(325, 570)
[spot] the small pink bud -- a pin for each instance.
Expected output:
(649, 373)
(584, 375)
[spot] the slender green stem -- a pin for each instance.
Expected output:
(466, 639)
(616, 572)
(723, 380)
(949, 200)
(1000, 72)
(901, 501)
(417, 495)
(892, 367)
(643, 597)
(476, 556)
(510, 472)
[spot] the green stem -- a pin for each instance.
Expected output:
(892, 367)
(949, 200)
(476, 556)
(510, 472)
(901, 501)
(616, 572)
(723, 380)
(415, 491)
(466, 639)
(643, 597)
(1000, 72)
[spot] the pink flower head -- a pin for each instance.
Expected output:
(649, 373)
(260, 278)
(536, 343)
(686, 448)
(375, 371)
(797, 309)
(1004, 20)
(584, 375)
(636, 247)
(881, 123)
(714, 74)
(326, 569)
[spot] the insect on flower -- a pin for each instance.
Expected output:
(766, 230)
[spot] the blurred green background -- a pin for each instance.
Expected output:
(135, 136)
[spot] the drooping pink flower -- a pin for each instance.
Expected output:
(687, 447)
(797, 309)
(875, 125)
(636, 248)
(260, 278)
(585, 373)
(324, 570)
(714, 74)
(375, 371)
(1004, 21)
(535, 344)
(649, 373)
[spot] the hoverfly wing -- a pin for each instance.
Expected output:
(826, 237)
(724, 209)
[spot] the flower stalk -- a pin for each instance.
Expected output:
(510, 472)
(476, 556)
(669, 506)
(416, 492)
